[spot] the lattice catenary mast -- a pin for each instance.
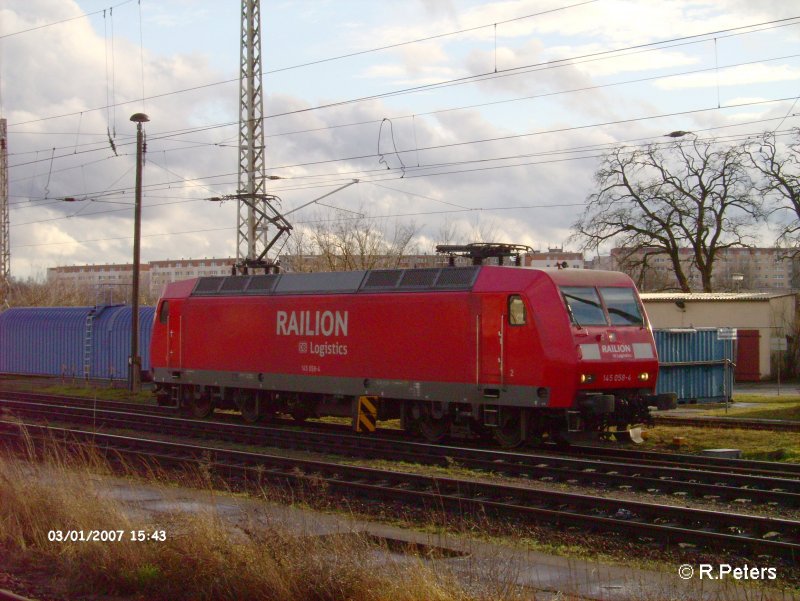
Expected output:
(255, 211)
(5, 242)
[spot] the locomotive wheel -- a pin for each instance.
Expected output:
(433, 429)
(298, 409)
(202, 404)
(299, 415)
(250, 406)
(508, 433)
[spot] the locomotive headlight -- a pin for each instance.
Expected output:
(644, 376)
(587, 378)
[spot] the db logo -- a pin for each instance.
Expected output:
(303, 347)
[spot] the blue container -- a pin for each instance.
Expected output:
(89, 342)
(111, 340)
(695, 363)
(42, 340)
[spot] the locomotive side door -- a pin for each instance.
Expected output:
(174, 323)
(490, 340)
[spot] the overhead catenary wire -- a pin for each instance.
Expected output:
(60, 22)
(164, 136)
(429, 167)
(169, 135)
(356, 217)
(348, 175)
(453, 163)
(390, 178)
(647, 47)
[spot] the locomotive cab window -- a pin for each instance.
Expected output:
(517, 315)
(583, 306)
(163, 312)
(622, 307)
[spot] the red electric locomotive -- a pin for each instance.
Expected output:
(514, 352)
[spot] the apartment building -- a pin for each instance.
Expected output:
(735, 269)
(112, 282)
(554, 258)
(172, 270)
(153, 275)
(309, 263)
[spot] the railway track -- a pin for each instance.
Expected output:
(742, 535)
(703, 481)
(729, 423)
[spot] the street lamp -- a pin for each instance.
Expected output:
(135, 375)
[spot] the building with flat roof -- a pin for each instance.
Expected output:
(173, 270)
(553, 258)
(761, 319)
(113, 281)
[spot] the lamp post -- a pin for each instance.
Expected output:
(679, 134)
(135, 375)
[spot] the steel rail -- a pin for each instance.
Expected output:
(699, 462)
(684, 460)
(744, 535)
(711, 421)
(626, 476)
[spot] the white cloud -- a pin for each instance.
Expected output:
(68, 75)
(735, 76)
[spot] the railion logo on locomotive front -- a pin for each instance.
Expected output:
(621, 349)
(311, 323)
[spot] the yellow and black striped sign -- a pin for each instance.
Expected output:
(367, 414)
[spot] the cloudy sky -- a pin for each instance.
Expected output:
(487, 118)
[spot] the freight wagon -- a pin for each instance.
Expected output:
(89, 342)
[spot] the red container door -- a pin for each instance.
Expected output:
(747, 362)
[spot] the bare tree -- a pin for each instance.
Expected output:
(32, 293)
(778, 168)
(484, 230)
(639, 265)
(362, 242)
(447, 234)
(661, 199)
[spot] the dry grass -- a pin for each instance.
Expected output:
(208, 557)
(754, 444)
(93, 389)
(203, 557)
(101, 391)
(762, 407)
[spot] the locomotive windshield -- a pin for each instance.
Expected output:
(585, 308)
(622, 307)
